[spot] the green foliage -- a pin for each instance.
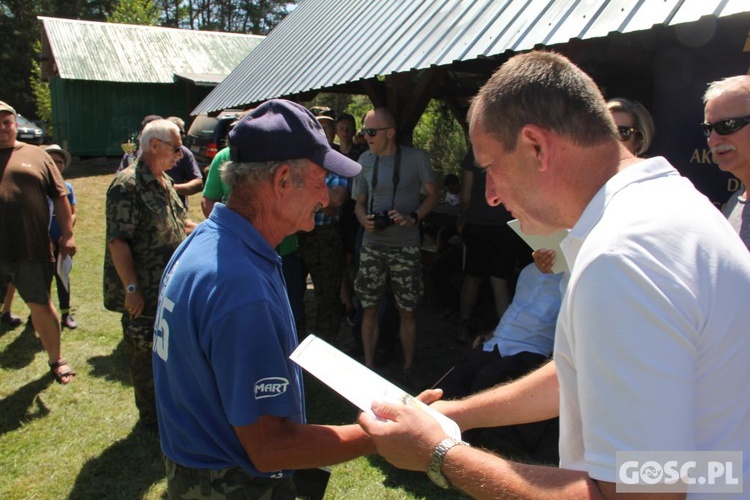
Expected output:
(41, 91)
(440, 134)
(142, 12)
(358, 107)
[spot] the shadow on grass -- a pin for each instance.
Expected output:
(417, 484)
(22, 350)
(127, 469)
(16, 406)
(114, 367)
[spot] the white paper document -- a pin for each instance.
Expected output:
(550, 242)
(63, 270)
(357, 383)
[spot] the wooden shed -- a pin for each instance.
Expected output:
(104, 77)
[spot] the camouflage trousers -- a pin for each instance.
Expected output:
(185, 483)
(402, 264)
(322, 256)
(139, 338)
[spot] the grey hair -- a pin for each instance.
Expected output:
(158, 129)
(234, 174)
(732, 83)
(177, 121)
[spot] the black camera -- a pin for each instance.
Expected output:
(382, 220)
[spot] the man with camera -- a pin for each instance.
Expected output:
(388, 205)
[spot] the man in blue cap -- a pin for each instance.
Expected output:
(229, 400)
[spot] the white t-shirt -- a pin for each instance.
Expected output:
(653, 344)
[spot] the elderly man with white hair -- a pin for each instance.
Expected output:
(146, 221)
(726, 114)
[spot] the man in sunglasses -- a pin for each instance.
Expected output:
(146, 221)
(388, 206)
(726, 116)
(651, 349)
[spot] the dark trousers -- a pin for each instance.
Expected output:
(63, 294)
(479, 370)
(322, 256)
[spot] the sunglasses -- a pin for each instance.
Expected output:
(175, 149)
(625, 133)
(725, 127)
(372, 132)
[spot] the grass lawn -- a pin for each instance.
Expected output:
(80, 441)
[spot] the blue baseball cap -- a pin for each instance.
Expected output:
(279, 130)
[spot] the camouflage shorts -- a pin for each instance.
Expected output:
(401, 264)
(233, 483)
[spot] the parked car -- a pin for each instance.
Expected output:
(28, 132)
(208, 134)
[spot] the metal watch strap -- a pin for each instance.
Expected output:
(434, 472)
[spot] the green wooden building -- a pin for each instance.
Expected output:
(104, 77)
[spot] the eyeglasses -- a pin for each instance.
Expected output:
(625, 133)
(725, 127)
(175, 149)
(372, 132)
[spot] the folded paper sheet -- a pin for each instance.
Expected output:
(355, 382)
(549, 242)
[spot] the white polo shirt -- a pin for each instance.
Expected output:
(653, 339)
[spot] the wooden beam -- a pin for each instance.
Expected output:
(376, 91)
(425, 89)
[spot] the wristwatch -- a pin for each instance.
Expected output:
(131, 288)
(414, 215)
(434, 472)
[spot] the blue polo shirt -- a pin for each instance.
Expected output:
(222, 339)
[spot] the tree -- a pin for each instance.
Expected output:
(41, 91)
(442, 136)
(142, 12)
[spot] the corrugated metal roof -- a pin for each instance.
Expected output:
(201, 78)
(109, 52)
(325, 43)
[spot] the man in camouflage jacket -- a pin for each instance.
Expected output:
(146, 221)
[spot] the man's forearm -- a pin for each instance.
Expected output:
(532, 398)
(122, 258)
(279, 444)
(429, 203)
(483, 475)
(190, 187)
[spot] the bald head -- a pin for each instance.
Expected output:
(383, 116)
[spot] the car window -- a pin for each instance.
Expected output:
(23, 122)
(203, 126)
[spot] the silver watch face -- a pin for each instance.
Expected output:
(131, 288)
(434, 472)
(438, 478)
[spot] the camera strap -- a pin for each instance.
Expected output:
(396, 177)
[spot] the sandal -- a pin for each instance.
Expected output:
(60, 375)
